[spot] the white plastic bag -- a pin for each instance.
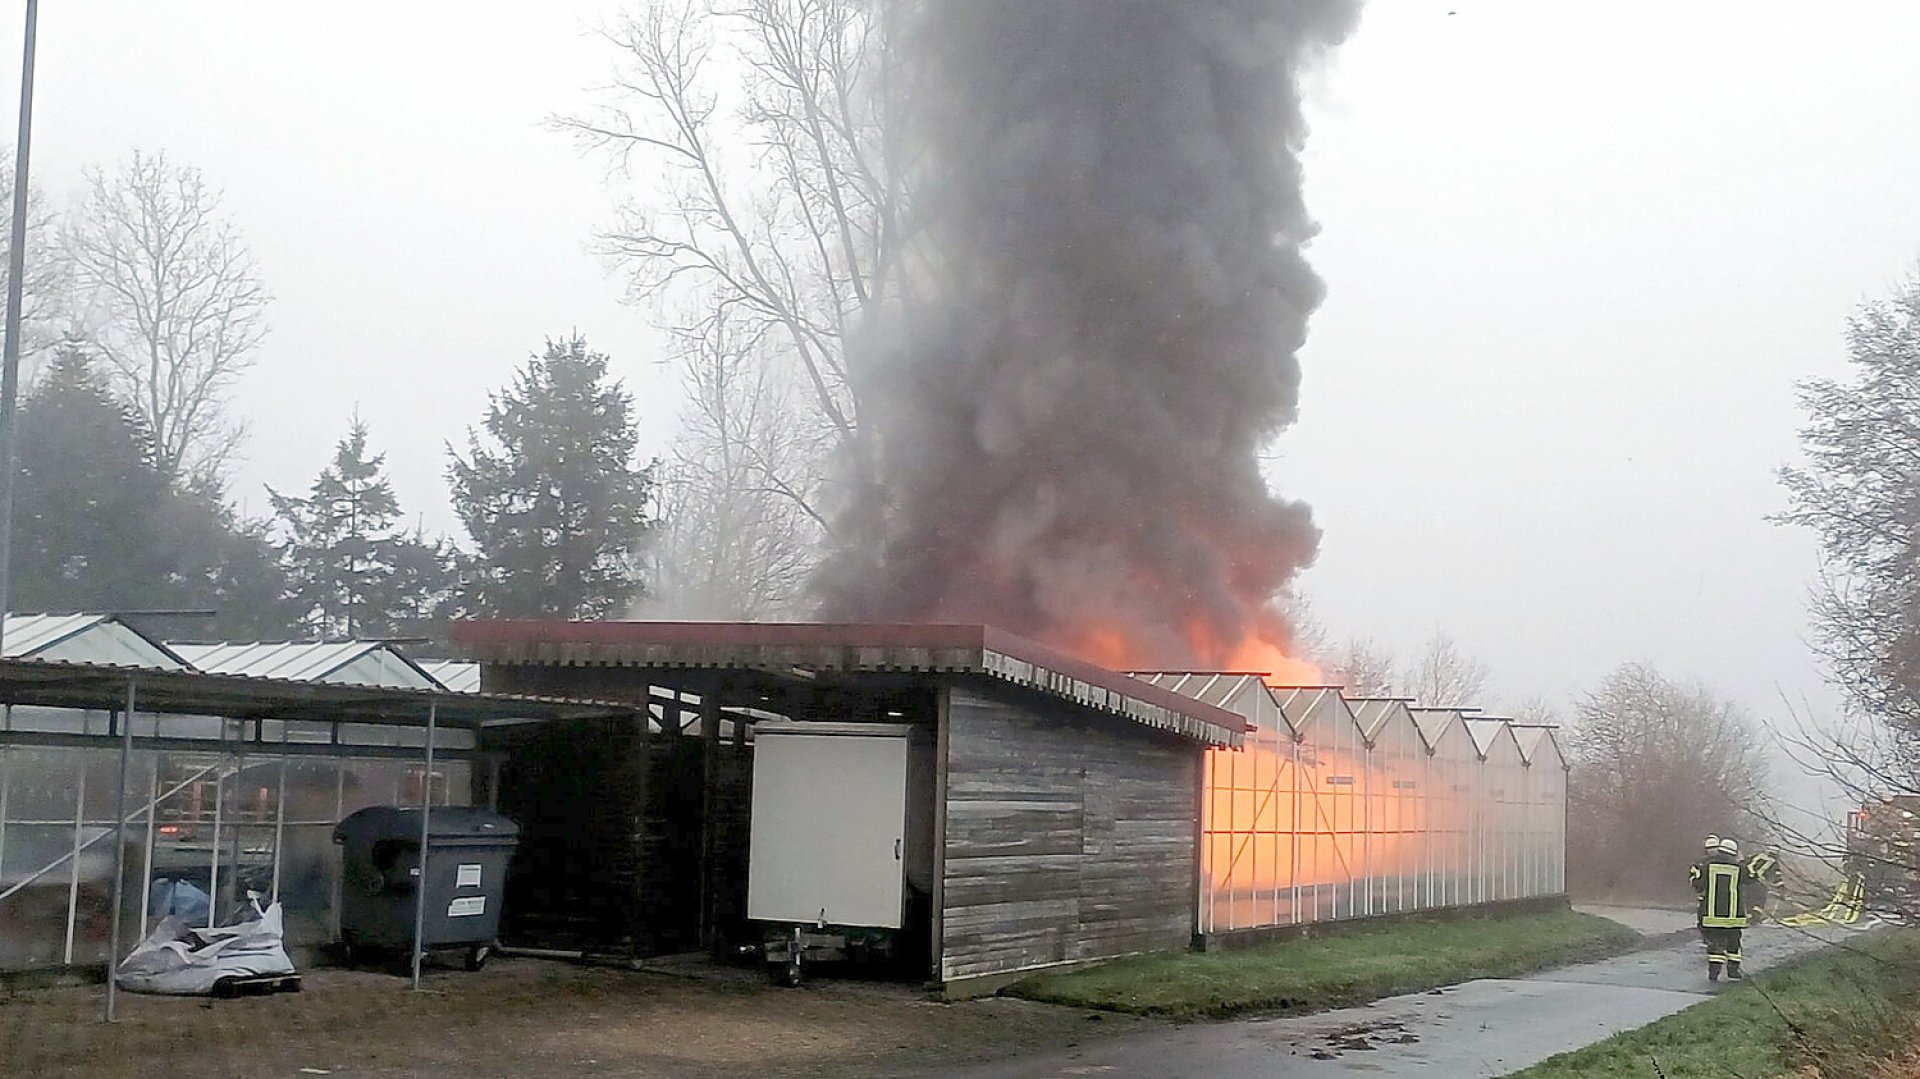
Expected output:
(180, 961)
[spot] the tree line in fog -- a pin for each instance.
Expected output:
(142, 308)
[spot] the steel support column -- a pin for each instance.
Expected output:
(426, 815)
(119, 848)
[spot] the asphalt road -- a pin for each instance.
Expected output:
(1483, 1028)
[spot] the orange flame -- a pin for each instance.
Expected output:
(1260, 652)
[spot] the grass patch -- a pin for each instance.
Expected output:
(1333, 970)
(1834, 1013)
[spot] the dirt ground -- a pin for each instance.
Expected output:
(534, 1018)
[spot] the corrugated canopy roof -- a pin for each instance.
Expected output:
(809, 647)
(367, 663)
(185, 692)
(457, 675)
(85, 638)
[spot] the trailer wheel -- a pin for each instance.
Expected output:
(787, 975)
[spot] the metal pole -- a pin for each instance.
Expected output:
(6, 782)
(279, 827)
(73, 869)
(146, 872)
(236, 848)
(120, 848)
(16, 273)
(213, 867)
(339, 870)
(426, 814)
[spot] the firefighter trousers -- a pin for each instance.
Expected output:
(1723, 951)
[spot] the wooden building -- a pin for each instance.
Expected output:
(1065, 808)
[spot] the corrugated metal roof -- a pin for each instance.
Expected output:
(457, 675)
(367, 663)
(85, 638)
(821, 647)
(57, 684)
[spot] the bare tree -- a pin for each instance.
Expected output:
(771, 196)
(44, 297)
(1656, 765)
(1537, 710)
(1445, 676)
(1860, 494)
(174, 302)
(734, 541)
(1364, 668)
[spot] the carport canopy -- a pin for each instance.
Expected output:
(123, 692)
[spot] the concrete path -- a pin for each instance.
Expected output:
(1479, 1029)
(1646, 921)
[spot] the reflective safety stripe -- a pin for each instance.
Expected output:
(1724, 910)
(1734, 956)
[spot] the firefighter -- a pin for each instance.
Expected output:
(1724, 888)
(1697, 876)
(1764, 869)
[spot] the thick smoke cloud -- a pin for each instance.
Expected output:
(1110, 295)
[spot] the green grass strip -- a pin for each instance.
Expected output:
(1335, 969)
(1840, 1009)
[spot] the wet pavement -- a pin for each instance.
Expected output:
(1646, 921)
(1479, 1029)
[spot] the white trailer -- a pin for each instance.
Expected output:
(840, 848)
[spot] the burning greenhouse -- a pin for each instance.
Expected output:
(1069, 812)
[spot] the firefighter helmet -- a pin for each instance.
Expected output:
(1728, 846)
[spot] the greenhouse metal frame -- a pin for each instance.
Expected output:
(1339, 808)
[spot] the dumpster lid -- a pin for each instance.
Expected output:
(447, 822)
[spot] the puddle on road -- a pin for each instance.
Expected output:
(1359, 1038)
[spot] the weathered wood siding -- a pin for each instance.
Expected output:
(1069, 835)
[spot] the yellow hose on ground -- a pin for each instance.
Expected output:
(1849, 902)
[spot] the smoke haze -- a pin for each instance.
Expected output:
(1111, 296)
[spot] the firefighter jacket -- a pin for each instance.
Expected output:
(1725, 893)
(1763, 869)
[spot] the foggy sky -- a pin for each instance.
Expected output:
(1575, 255)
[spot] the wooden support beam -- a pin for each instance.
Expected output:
(709, 838)
(637, 920)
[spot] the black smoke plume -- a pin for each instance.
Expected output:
(1067, 420)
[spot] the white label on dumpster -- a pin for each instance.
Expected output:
(467, 906)
(469, 877)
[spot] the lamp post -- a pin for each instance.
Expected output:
(10, 358)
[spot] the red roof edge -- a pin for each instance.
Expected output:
(480, 634)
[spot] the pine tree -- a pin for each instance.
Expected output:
(98, 527)
(354, 572)
(554, 502)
